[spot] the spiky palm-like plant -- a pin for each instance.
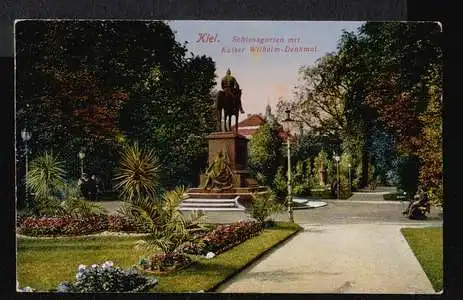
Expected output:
(138, 174)
(166, 225)
(46, 176)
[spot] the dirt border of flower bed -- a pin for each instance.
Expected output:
(254, 259)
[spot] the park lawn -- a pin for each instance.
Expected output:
(43, 263)
(396, 196)
(427, 245)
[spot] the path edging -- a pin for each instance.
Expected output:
(254, 259)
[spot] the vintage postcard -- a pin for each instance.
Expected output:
(168, 156)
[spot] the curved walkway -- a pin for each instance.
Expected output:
(349, 246)
(356, 258)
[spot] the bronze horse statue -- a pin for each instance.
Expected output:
(229, 102)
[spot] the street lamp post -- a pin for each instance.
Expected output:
(26, 136)
(337, 158)
(288, 122)
(81, 156)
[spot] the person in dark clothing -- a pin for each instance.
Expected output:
(334, 188)
(83, 184)
(418, 206)
(93, 188)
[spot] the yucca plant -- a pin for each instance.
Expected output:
(166, 225)
(45, 176)
(138, 174)
(45, 179)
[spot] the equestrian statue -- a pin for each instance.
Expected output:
(229, 100)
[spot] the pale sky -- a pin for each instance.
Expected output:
(263, 77)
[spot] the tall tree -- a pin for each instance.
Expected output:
(172, 112)
(320, 100)
(265, 154)
(98, 72)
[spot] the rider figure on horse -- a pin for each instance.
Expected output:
(230, 84)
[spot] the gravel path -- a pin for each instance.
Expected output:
(359, 258)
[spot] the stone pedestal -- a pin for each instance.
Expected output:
(244, 185)
(235, 144)
(236, 147)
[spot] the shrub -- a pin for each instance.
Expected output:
(80, 208)
(344, 192)
(165, 262)
(193, 247)
(263, 206)
(227, 236)
(162, 220)
(223, 238)
(118, 223)
(43, 226)
(302, 180)
(280, 184)
(88, 225)
(323, 194)
(55, 226)
(107, 278)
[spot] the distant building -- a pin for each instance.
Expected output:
(249, 126)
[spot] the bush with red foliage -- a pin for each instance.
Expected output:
(54, 226)
(224, 237)
(118, 223)
(69, 226)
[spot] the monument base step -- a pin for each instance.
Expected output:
(217, 204)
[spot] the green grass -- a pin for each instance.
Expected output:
(398, 196)
(43, 263)
(426, 244)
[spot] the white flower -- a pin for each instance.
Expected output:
(78, 275)
(210, 255)
(108, 264)
(94, 266)
(28, 289)
(81, 267)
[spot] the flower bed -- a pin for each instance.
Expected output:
(107, 278)
(223, 238)
(161, 264)
(70, 226)
(117, 223)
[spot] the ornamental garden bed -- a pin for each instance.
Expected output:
(163, 264)
(43, 263)
(223, 238)
(210, 244)
(73, 226)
